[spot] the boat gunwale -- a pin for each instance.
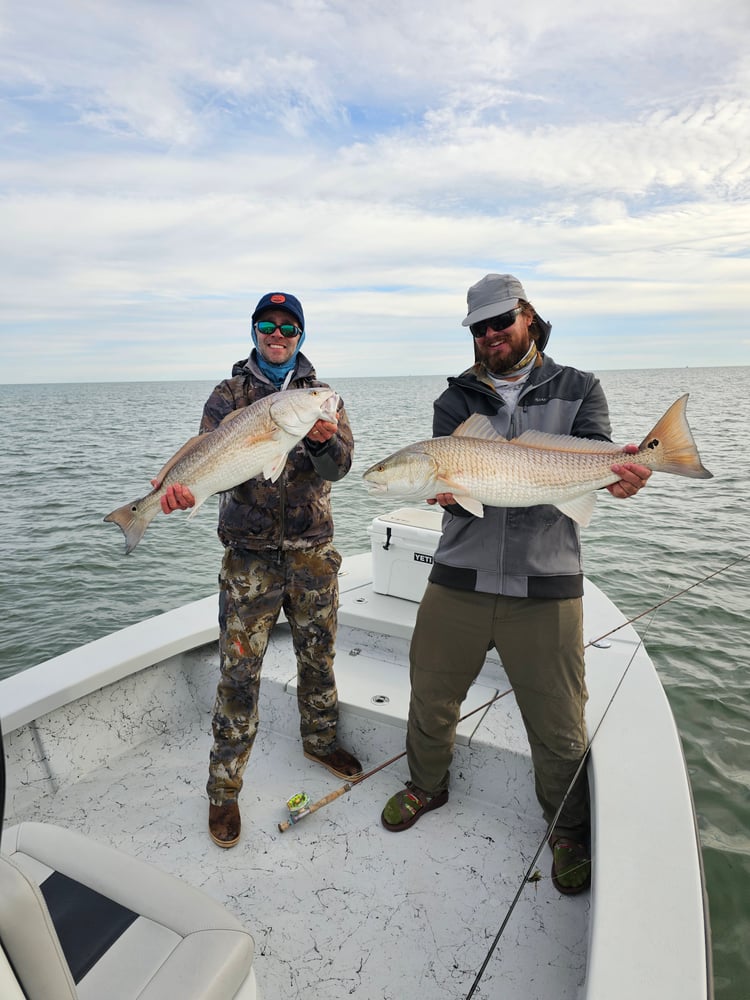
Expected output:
(625, 957)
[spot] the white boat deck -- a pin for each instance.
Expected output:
(338, 906)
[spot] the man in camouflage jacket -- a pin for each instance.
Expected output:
(278, 553)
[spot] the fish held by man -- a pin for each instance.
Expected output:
(251, 441)
(482, 468)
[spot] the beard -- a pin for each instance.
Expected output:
(498, 363)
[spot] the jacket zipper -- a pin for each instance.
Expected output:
(282, 484)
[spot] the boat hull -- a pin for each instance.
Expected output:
(112, 740)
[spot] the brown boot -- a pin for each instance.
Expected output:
(224, 823)
(338, 762)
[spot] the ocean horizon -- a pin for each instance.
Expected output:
(75, 451)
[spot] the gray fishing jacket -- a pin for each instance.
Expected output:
(295, 511)
(518, 551)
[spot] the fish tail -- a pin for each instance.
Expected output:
(133, 519)
(669, 447)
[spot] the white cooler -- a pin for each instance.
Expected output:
(403, 545)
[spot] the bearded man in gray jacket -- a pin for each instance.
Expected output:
(512, 579)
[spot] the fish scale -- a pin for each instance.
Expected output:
(251, 441)
(481, 468)
(529, 476)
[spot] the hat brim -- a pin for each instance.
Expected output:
(487, 312)
(285, 308)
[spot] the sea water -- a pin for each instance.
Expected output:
(73, 452)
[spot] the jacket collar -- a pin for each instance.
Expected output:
(303, 368)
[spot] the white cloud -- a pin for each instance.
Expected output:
(164, 164)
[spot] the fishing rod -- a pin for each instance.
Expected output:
(672, 597)
(528, 874)
(299, 806)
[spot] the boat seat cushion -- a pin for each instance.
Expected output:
(83, 920)
(28, 937)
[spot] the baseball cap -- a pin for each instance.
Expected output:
(492, 295)
(281, 300)
(495, 294)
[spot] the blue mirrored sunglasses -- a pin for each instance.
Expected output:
(266, 327)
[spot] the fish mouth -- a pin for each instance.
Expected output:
(375, 487)
(330, 407)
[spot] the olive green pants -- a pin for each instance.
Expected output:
(540, 643)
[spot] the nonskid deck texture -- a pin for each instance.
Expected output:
(338, 906)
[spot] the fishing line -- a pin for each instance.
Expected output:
(332, 796)
(672, 597)
(529, 871)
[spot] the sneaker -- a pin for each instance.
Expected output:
(404, 808)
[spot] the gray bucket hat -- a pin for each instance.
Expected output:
(495, 294)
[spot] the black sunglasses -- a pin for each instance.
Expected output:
(266, 327)
(501, 322)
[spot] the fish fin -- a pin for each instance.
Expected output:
(568, 443)
(579, 509)
(132, 520)
(275, 466)
(471, 505)
(188, 446)
(477, 426)
(448, 485)
(669, 447)
(196, 507)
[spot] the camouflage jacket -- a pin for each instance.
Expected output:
(295, 511)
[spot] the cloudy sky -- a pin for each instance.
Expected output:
(162, 164)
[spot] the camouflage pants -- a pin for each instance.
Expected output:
(253, 588)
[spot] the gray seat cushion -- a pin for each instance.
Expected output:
(82, 920)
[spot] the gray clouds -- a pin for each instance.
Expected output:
(163, 164)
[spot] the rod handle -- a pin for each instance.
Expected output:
(283, 827)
